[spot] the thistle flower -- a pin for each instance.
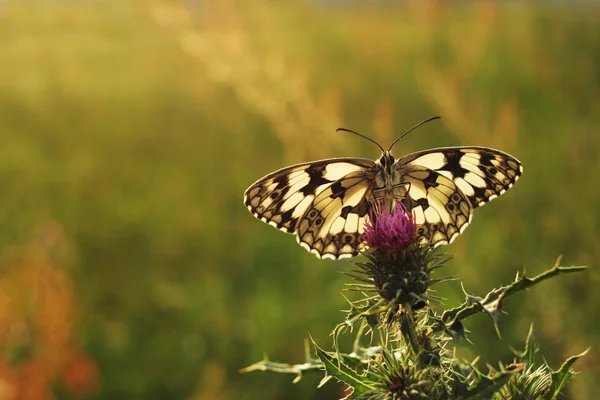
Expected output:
(388, 231)
(398, 266)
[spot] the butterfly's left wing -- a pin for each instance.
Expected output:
(322, 202)
(446, 184)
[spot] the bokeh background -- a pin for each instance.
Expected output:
(129, 131)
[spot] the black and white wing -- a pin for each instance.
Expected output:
(446, 184)
(323, 203)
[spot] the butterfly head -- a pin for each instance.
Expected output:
(386, 161)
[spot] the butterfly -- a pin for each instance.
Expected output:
(325, 203)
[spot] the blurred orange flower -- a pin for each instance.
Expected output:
(38, 318)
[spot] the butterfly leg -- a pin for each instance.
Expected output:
(400, 191)
(380, 199)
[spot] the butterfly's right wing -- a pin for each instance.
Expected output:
(308, 199)
(446, 184)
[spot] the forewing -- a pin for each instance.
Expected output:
(333, 224)
(480, 173)
(282, 198)
(446, 184)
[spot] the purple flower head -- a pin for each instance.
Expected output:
(390, 231)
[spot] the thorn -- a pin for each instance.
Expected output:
(558, 261)
(518, 276)
(307, 356)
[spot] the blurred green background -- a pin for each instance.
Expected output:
(129, 131)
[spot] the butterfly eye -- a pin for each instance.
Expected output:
(386, 159)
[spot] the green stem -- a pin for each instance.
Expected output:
(407, 328)
(471, 307)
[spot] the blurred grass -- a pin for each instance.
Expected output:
(130, 131)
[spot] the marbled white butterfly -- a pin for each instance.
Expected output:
(324, 203)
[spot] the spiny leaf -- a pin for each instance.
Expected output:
(560, 377)
(488, 385)
(528, 355)
(342, 372)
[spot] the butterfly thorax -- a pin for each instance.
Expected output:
(388, 187)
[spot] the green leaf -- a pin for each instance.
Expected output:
(531, 349)
(487, 386)
(560, 377)
(342, 372)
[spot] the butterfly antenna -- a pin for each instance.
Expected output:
(413, 128)
(362, 136)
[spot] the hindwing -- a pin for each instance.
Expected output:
(333, 224)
